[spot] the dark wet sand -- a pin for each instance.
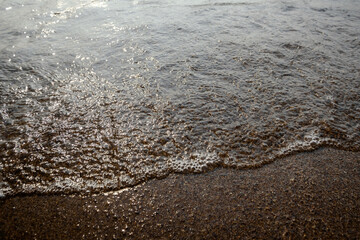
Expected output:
(308, 195)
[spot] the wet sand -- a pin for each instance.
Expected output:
(303, 196)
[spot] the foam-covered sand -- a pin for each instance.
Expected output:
(307, 195)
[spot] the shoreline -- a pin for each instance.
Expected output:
(306, 195)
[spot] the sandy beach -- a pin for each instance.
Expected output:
(303, 196)
(192, 119)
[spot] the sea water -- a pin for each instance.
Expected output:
(98, 95)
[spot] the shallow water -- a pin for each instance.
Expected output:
(100, 95)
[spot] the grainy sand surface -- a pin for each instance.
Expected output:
(303, 196)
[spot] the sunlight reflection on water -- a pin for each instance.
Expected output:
(100, 95)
